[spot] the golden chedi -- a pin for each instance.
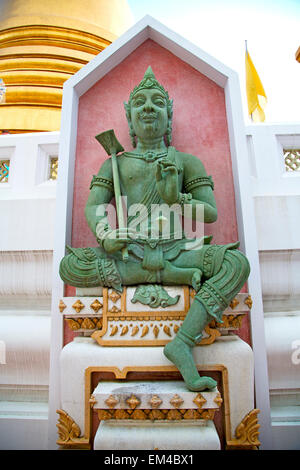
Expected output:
(42, 44)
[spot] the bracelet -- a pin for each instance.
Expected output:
(184, 198)
(103, 231)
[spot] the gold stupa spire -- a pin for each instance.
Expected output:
(42, 44)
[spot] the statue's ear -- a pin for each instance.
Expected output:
(127, 111)
(170, 109)
(128, 117)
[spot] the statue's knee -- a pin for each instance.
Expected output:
(238, 263)
(65, 267)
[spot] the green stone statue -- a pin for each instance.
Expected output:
(156, 175)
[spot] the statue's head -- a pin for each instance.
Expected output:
(149, 109)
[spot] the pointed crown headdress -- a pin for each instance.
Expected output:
(148, 81)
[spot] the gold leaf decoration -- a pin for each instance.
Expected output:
(73, 324)
(92, 401)
(190, 414)
(105, 414)
(114, 309)
(218, 400)
(114, 296)
(199, 400)
(157, 414)
(155, 401)
(145, 331)
(156, 331)
(96, 305)
(248, 301)
(247, 430)
(134, 330)
(208, 414)
(146, 414)
(167, 330)
(124, 330)
(78, 305)
(133, 402)
(114, 330)
(173, 414)
(111, 401)
(88, 324)
(61, 306)
(138, 414)
(68, 430)
(213, 335)
(176, 329)
(234, 303)
(176, 401)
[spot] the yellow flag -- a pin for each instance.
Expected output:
(256, 95)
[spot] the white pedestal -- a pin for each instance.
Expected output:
(141, 435)
(82, 353)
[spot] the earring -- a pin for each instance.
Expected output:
(132, 135)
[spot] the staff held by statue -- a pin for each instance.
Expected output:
(112, 147)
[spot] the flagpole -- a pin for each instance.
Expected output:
(246, 47)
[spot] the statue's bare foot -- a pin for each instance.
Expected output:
(181, 355)
(188, 276)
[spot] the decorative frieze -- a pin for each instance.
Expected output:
(115, 319)
(152, 395)
(153, 401)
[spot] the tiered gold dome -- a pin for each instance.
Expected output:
(43, 43)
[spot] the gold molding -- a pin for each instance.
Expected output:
(69, 432)
(149, 414)
(83, 323)
(247, 432)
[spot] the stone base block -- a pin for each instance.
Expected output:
(137, 435)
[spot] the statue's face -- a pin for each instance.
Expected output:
(149, 115)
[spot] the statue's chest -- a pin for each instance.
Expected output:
(136, 173)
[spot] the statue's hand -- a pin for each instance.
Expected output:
(117, 239)
(167, 181)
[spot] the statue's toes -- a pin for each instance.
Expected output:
(201, 384)
(196, 280)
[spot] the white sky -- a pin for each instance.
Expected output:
(220, 28)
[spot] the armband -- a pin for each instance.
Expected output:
(200, 181)
(101, 181)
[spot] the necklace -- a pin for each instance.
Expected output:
(148, 156)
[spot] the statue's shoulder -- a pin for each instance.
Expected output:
(190, 162)
(106, 168)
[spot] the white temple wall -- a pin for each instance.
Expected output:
(27, 205)
(276, 192)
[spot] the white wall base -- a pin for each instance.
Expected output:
(23, 426)
(140, 435)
